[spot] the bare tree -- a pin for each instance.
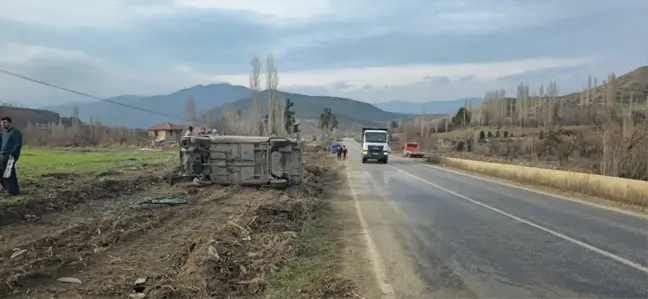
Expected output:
(75, 112)
(255, 114)
(191, 110)
(272, 81)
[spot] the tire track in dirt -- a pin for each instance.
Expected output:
(155, 252)
(59, 228)
(76, 210)
(64, 192)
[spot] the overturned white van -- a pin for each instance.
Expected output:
(241, 160)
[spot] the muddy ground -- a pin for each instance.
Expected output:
(80, 237)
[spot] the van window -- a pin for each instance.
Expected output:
(412, 145)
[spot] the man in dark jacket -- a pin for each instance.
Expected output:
(339, 152)
(10, 146)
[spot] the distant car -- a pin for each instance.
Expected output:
(335, 147)
(412, 149)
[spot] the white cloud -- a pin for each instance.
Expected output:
(20, 54)
(78, 13)
(443, 15)
(277, 10)
(407, 82)
(406, 74)
(79, 71)
(304, 41)
(298, 25)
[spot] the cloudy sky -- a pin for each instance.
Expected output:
(370, 50)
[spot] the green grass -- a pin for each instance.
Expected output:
(38, 161)
(315, 266)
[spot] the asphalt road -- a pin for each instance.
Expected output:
(488, 240)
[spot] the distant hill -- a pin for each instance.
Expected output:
(211, 98)
(430, 107)
(22, 116)
(205, 97)
(308, 107)
(635, 82)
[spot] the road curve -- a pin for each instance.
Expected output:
(468, 237)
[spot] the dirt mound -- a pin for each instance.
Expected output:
(69, 249)
(238, 258)
(59, 175)
(109, 173)
(56, 192)
(225, 242)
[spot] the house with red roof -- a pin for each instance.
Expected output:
(166, 131)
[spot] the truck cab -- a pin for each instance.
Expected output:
(412, 149)
(376, 144)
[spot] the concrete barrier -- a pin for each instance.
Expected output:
(623, 190)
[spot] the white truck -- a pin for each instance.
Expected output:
(376, 144)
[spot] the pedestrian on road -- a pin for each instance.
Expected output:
(344, 152)
(339, 152)
(10, 146)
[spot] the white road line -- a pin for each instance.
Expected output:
(529, 223)
(374, 256)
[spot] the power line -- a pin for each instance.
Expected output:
(86, 95)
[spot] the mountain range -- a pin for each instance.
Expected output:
(214, 97)
(430, 107)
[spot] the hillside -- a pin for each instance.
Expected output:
(22, 116)
(591, 131)
(635, 82)
(205, 97)
(210, 98)
(308, 107)
(430, 107)
(568, 107)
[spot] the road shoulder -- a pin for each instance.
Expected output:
(386, 236)
(553, 192)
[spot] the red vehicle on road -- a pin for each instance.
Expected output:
(412, 149)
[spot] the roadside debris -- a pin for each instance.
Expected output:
(138, 288)
(170, 201)
(69, 280)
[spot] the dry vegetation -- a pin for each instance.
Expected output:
(601, 130)
(81, 228)
(46, 128)
(224, 242)
(78, 134)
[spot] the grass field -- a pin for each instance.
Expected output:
(35, 162)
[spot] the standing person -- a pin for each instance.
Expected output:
(344, 152)
(10, 147)
(189, 131)
(203, 131)
(339, 152)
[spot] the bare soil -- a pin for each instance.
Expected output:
(94, 233)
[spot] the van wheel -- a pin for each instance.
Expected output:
(364, 160)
